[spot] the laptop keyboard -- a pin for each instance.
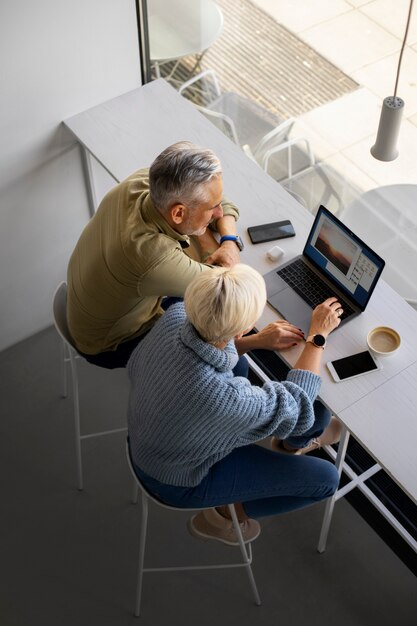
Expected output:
(308, 285)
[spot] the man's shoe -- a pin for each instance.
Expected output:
(330, 435)
(209, 524)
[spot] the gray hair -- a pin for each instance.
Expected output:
(180, 175)
(224, 302)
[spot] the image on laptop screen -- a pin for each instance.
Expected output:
(343, 257)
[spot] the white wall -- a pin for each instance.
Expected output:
(58, 57)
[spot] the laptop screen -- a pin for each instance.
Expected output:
(343, 258)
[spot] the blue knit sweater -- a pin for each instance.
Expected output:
(187, 410)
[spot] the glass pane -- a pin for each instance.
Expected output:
(298, 86)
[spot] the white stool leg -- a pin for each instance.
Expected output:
(65, 359)
(77, 431)
(135, 491)
(246, 557)
(142, 545)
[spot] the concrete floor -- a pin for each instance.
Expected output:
(70, 558)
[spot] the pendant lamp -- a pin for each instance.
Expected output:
(385, 147)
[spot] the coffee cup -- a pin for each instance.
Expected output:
(383, 341)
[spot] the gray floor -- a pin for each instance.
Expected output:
(69, 558)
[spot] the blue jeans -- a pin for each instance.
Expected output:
(264, 481)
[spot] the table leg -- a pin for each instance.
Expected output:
(197, 64)
(89, 180)
(157, 69)
(328, 512)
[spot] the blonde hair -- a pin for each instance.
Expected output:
(223, 302)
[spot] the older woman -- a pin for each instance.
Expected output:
(193, 425)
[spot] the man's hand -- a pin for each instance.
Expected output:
(278, 335)
(227, 255)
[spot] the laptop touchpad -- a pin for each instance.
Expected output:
(292, 308)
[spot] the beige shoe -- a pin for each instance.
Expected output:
(209, 524)
(330, 435)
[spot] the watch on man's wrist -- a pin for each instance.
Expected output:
(317, 340)
(234, 238)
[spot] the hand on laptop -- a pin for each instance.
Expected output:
(278, 336)
(281, 334)
(325, 317)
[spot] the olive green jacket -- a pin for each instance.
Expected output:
(126, 259)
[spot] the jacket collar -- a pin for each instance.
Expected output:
(151, 214)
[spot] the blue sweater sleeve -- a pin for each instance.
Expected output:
(277, 408)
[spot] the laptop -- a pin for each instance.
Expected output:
(334, 262)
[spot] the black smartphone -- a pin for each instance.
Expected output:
(269, 232)
(352, 366)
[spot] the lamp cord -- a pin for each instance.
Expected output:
(402, 47)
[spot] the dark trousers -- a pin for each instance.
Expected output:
(113, 359)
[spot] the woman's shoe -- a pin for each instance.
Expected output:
(209, 524)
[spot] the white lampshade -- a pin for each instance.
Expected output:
(385, 147)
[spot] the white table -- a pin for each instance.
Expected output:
(128, 132)
(180, 28)
(387, 218)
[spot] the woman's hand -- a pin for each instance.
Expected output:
(326, 317)
(278, 336)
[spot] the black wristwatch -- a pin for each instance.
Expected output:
(317, 340)
(234, 238)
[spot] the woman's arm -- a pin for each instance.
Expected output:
(280, 335)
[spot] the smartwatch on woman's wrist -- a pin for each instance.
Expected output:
(317, 340)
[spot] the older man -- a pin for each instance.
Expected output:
(148, 239)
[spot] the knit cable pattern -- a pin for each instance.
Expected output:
(187, 410)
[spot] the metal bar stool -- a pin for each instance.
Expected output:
(146, 496)
(70, 355)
